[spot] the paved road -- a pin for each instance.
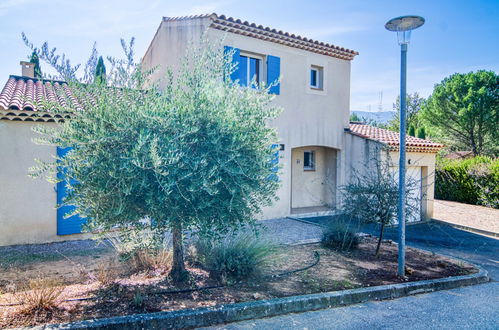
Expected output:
(475, 307)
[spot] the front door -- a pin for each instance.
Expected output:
(313, 175)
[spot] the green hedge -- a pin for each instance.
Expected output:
(471, 181)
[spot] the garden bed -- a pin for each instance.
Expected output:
(113, 290)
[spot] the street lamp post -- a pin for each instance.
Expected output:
(403, 26)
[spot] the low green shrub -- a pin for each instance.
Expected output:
(472, 181)
(340, 236)
(234, 257)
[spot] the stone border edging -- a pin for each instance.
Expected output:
(202, 317)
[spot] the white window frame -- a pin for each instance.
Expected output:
(319, 75)
(312, 156)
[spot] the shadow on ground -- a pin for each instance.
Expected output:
(440, 238)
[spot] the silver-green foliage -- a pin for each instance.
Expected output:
(341, 234)
(235, 257)
(194, 155)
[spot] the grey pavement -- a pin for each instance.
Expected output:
(474, 307)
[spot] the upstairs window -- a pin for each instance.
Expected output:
(316, 77)
(250, 69)
(309, 160)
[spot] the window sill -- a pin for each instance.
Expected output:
(316, 88)
(309, 169)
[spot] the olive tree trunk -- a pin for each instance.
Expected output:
(178, 272)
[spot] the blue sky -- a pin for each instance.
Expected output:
(459, 36)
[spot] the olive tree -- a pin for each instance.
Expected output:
(194, 155)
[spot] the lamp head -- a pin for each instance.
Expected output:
(403, 25)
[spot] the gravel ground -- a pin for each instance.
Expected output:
(50, 248)
(474, 216)
(288, 231)
(278, 231)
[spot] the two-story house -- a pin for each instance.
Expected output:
(319, 147)
(314, 92)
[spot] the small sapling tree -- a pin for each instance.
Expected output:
(194, 155)
(371, 196)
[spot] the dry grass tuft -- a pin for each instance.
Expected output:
(106, 273)
(151, 260)
(39, 295)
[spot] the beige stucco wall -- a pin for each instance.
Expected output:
(360, 151)
(310, 117)
(312, 188)
(27, 206)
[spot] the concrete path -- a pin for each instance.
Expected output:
(475, 307)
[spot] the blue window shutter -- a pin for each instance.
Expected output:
(275, 162)
(273, 73)
(242, 70)
(73, 224)
(236, 58)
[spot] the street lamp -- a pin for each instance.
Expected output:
(403, 26)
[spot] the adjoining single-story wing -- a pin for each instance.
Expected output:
(367, 142)
(28, 212)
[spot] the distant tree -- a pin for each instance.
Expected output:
(412, 130)
(100, 71)
(463, 112)
(373, 122)
(38, 70)
(414, 105)
(354, 117)
(367, 121)
(194, 156)
(421, 133)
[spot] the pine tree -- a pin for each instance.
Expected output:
(412, 130)
(100, 71)
(34, 59)
(463, 112)
(421, 133)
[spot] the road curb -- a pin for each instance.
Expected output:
(202, 317)
(467, 228)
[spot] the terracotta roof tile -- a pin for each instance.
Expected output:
(232, 25)
(390, 138)
(20, 95)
